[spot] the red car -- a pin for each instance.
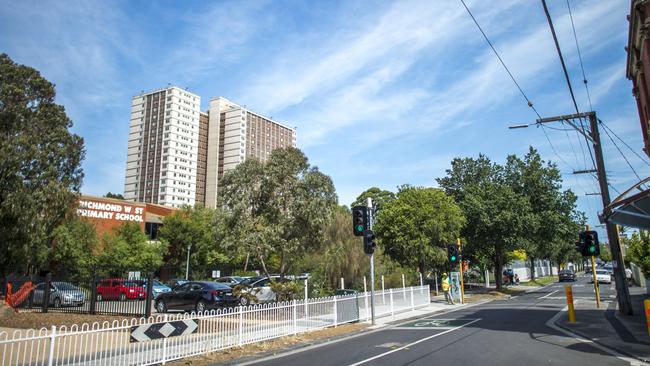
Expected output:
(119, 289)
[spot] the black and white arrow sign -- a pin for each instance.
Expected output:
(148, 332)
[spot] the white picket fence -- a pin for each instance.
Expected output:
(109, 343)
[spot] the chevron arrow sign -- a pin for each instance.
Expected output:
(148, 332)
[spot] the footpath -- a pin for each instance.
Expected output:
(619, 334)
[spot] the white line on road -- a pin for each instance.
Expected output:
(549, 294)
(411, 344)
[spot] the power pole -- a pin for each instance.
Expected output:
(372, 265)
(622, 292)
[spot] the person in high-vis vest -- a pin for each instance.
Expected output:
(445, 288)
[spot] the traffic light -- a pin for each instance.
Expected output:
(589, 243)
(453, 255)
(369, 242)
(359, 220)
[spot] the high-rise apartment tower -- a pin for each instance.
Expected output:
(161, 165)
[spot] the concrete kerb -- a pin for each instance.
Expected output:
(555, 325)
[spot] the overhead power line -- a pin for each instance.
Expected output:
(566, 74)
(530, 104)
(624, 143)
(575, 36)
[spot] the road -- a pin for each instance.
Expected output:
(505, 332)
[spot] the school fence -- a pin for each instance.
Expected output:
(166, 337)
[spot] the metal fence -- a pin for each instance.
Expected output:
(107, 296)
(167, 337)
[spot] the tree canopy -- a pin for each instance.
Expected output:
(415, 227)
(40, 169)
(379, 197)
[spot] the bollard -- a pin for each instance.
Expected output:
(646, 305)
(569, 301)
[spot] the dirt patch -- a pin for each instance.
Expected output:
(482, 295)
(275, 346)
(12, 319)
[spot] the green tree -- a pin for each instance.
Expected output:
(414, 228)
(638, 251)
(197, 227)
(114, 195)
(552, 228)
(40, 168)
(379, 197)
(278, 209)
(75, 250)
(605, 253)
(127, 249)
(498, 217)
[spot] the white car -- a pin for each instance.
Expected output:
(261, 289)
(603, 276)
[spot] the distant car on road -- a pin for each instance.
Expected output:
(197, 296)
(61, 294)
(603, 276)
(567, 275)
(119, 289)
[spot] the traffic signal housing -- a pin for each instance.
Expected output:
(369, 244)
(453, 254)
(589, 245)
(359, 220)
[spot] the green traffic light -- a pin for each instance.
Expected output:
(453, 258)
(592, 249)
(359, 227)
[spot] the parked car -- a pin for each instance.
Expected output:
(173, 283)
(230, 280)
(567, 275)
(197, 296)
(61, 294)
(260, 287)
(157, 288)
(119, 289)
(603, 276)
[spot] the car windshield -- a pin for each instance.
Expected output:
(602, 272)
(157, 283)
(64, 286)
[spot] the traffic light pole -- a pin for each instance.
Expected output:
(372, 266)
(593, 273)
(622, 292)
(462, 281)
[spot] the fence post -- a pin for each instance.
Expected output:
(46, 292)
(164, 346)
(403, 288)
(241, 325)
(147, 302)
(93, 293)
(295, 317)
(306, 302)
(383, 291)
(392, 307)
(335, 313)
(412, 300)
(342, 283)
(50, 359)
(365, 297)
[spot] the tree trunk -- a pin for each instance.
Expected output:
(266, 272)
(246, 263)
(532, 269)
(498, 275)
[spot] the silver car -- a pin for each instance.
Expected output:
(61, 294)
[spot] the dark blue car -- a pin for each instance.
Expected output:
(196, 296)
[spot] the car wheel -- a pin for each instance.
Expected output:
(200, 306)
(161, 307)
(122, 297)
(243, 301)
(99, 297)
(57, 302)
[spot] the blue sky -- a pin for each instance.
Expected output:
(382, 92)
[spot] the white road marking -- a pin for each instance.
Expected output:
(411, 344)
(549, 294)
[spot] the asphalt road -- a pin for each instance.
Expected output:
(507, 332)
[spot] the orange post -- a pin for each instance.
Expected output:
(646, 305)
(569, 301)
(462, 281)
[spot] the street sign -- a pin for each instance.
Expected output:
(454, 282)
(149, 332)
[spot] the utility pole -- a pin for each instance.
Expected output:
(187, 265)
(622, 292)
(372, 266)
